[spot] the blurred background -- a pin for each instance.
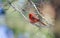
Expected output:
(18, 27)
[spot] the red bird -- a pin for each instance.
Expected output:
(34, 19)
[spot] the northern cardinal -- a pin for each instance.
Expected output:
(34, 19)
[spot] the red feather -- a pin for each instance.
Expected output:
(33, 18)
